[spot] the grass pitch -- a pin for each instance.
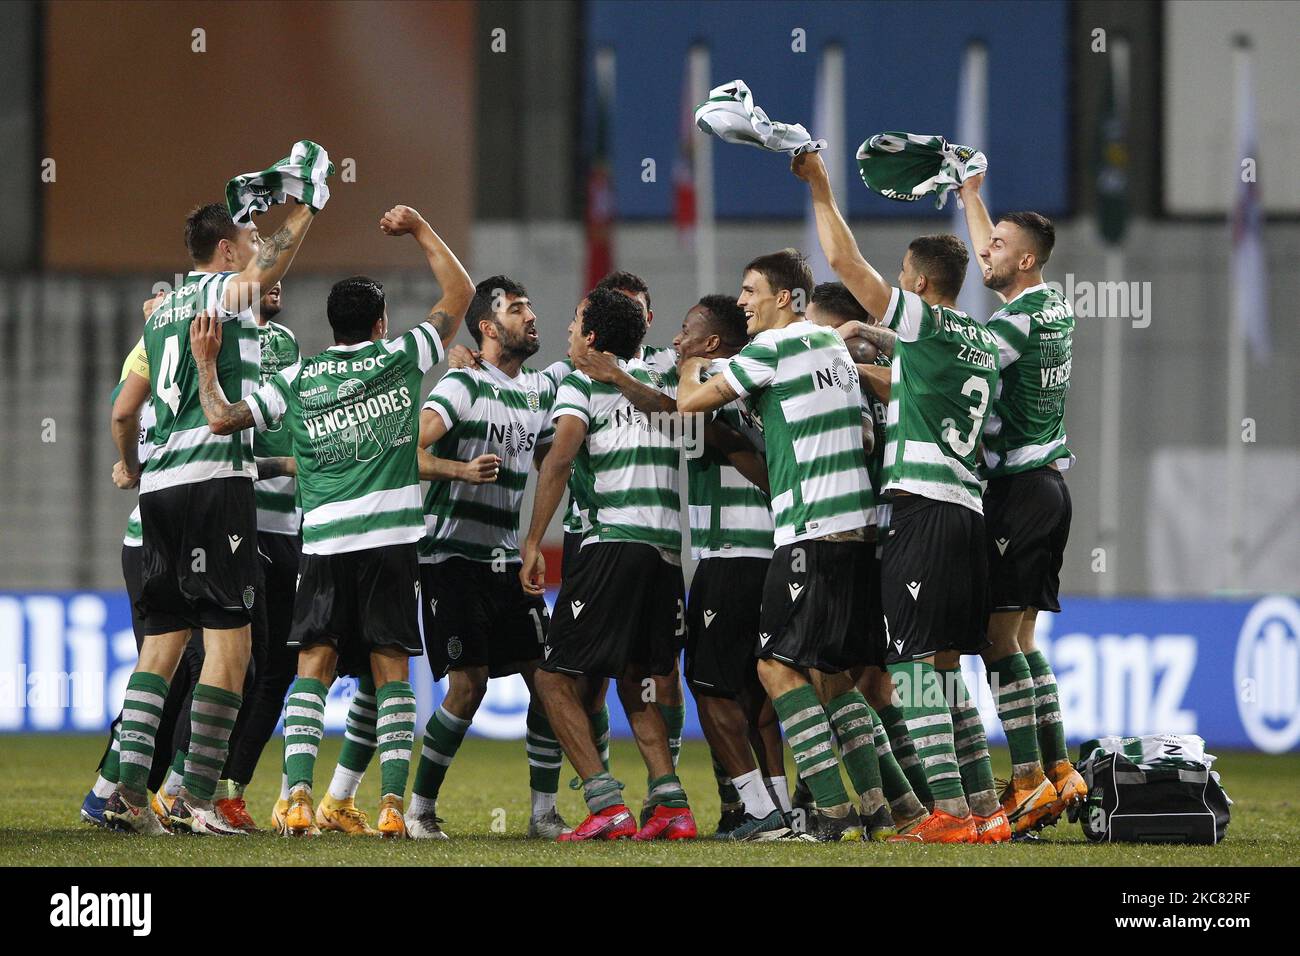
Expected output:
(485, 803)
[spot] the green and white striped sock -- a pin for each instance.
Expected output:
(1014, 686)
(601, 792)
(442, 738)
(600, 732)
(893, 781)
(928, 724)
(900, 742)
(304, 725)
(175, 774)
(971, 744)
(395, 735)
(1047, 710)
(141, 713)
(359, 741)
(212, 718)
(674, 719)
(110, 769)
(544, 758)
(727, 792)
(808, 733)
(850, 718)
(666, 791)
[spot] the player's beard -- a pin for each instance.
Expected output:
(268, 310)
(520, 346)
(999, 281)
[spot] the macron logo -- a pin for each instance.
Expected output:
(914, 588)
(898, 646)
(709, 616)
(235, 541)
(806, 342)
(74, 909)
(795, 591)
(764, 638)
(576, 607)
(1002, 544)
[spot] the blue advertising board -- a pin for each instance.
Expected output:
(1225, 669)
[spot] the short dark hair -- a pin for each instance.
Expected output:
(355, 305)
(787, 269)
(206, 226)
(482, 305)
(616, 320)
(942, 260)
(630, 282)
(726, 318)
(1042, 234)
(835, 298)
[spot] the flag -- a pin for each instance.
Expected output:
(972, 131)
(684, 168)
(599, 217)
(827, 124)
(1110, 153)
(1249, 268)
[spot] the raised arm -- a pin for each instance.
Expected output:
(841, 249)
(570, 432)
(125, 425)
(457, 287)
(271, 262)
(205, 342)
(978, 222)
(882, 338)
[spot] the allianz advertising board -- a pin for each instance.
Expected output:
(1228, 670)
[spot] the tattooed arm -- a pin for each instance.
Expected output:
(879, 336)
(457, 287)
(274, 256)
(205, 343)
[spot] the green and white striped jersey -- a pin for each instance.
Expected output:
(802, 382)
(626, 474)
(486, 412)
(730, 516)
(1026, 426)
(876, 414)
(353, 414)
(187, 451)
(277, 506)
(944, 371)
(662, 363)
(137, 362)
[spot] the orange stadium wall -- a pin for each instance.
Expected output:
(389, 85)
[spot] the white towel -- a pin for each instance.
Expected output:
(730, 115)
(301, 175)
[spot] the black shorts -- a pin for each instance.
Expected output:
(722, 618)
(359, 602)
(571, 552)
(199, 557)
(934, 580)
(279, 556)
(1027, 517)
(477, 617)
(873, 610)
(814, 606)
(132, 571)
(621, 611)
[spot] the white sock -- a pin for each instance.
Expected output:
(780, 791)
(172, 785)
(284, 786)
(344, 784)
(543, 803)
(102, 788)
(758, 802)
(421, 806)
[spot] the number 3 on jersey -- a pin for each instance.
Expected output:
(168, 390)
(975, 386)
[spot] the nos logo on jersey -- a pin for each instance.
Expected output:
(514, 438)
(1267, 674)
(839, 374)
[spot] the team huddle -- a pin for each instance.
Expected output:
(873, 484)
